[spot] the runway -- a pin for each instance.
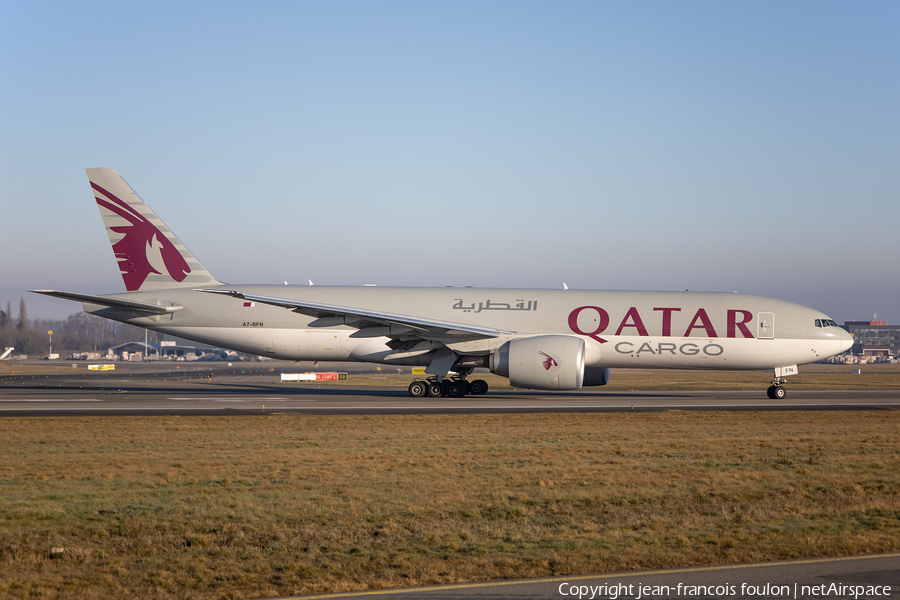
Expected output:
(209, 392)
(847, 577)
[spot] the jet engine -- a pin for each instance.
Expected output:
(543, 362)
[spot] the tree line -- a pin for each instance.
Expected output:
(80, 332)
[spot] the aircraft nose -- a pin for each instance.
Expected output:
(846, 341)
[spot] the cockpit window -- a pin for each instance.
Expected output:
(818, 322)
(825, 323)
(832, 323)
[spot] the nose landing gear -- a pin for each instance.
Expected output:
(776, 392)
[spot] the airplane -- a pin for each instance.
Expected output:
(6, 353)
(537, 338)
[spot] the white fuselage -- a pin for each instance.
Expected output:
(692, 330)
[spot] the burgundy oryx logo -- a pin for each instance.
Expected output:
(549, 361)
(143, 248)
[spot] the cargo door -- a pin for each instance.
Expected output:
(766, 321)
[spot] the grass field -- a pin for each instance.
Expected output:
(237, 507)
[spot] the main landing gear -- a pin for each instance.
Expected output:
(448, 388)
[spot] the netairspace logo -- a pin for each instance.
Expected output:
(639, 592)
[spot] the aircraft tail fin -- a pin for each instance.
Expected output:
(149, 255)
(5, 354)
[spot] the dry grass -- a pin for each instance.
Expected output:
(217, 507)
(15, 368)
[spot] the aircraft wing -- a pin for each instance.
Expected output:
(111, 302)
(330, 315)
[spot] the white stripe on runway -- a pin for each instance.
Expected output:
(238, 399)
(52, 400)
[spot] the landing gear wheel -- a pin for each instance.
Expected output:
(771, 392)
(478, 387)
(776, 392)
(433, 389)
(454, 388)
(417, 389)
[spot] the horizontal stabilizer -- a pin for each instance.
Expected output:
(362, 318)
(111, 302)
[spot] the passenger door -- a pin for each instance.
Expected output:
(766, 321)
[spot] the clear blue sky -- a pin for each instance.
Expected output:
(749, 146)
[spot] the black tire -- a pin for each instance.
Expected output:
(417, 389)
(433, 390)
(779, 392)
(456, 389)
(445, 387)
(478, 387)
(771, 392)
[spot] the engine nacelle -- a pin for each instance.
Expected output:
(543, 362)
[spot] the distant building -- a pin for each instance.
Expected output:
(134, 351)
(874, 338)
(139, 351)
